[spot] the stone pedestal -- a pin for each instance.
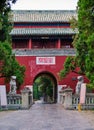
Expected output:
(68, 98)
(26, 98)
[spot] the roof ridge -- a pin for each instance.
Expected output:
(44, 10)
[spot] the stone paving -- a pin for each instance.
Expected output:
(46, 117)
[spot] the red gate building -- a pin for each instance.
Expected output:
(41, 41)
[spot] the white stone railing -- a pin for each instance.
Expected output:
(90, 98)
(14, 101)
(89, 102)
(20, 101)
(75, 99)
(72, 101)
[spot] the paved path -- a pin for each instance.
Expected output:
(46, 117)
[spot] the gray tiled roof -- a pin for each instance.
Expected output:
(43, 15)
(44, 31)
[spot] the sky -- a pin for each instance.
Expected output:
(45, 5)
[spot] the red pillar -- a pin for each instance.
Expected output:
(30, 43)
(59, 44)
(13, 45)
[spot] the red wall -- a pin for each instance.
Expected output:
(32, 70)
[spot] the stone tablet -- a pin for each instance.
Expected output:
(83, 93)
(3, 98)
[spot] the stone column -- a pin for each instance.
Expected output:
(25, 98)
(68, 98)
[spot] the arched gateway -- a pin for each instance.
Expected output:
(45, 87)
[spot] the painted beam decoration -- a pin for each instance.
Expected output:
(45, 60)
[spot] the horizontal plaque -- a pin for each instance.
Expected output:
(45, 60)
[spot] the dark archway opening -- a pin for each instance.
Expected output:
(45, 88)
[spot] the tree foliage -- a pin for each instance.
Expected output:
(5, 19)
(83, 41)
(8, 64)
(43, 87)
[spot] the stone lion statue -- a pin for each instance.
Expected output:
(13, 85)
(78, 86)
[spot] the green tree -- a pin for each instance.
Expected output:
(5, 19)
(83, 43)
(8, 64)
